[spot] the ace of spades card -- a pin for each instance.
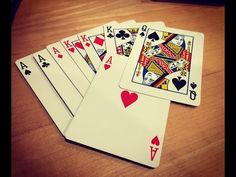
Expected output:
(115, 120)
(166, 63)
(48, 93)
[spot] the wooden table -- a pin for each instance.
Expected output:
(194, 139)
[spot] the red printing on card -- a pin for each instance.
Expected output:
(166, 51)
(67, 44)
(153, 152)
(72, 49)
(87, 44)
(119, 50)
(154, 147)
(57, 51)
(143, 60)
(163, 65)
(59, 55)
(99, 41)
(79, 45)
(108, 63)
(84, 38)
(155, 141)
(128, 98)
(106, 66)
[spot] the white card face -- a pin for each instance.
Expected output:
(57, 77)
(166, 63)
(45, 92)
(118, 121)
(93, 42)
(69, 67)
(76, 50)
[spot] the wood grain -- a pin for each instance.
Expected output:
(194, 139)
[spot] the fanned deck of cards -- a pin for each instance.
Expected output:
(110, 87)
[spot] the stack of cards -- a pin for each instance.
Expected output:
(110, 87)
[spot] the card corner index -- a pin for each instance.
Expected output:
(20, 61)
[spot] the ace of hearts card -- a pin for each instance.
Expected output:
(116, 120)
(166, 63)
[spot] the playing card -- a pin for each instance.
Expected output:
(166, 63)
(76, 50)
(69, 67)
(117, 121)
(57, 77)
(93, 42)
(125, 35)
(45, 92)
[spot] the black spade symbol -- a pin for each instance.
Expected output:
(27, 72)
(110, 35)
(179, 83)
(193, 85)
(122, 34)
(141, 34)
(153, 36)
(45, 64)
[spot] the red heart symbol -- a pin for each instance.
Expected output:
(79, 45)
(59, 56)
(155, 141)
(128, 98)
(71, 49)
(87, 44)
(106, 66)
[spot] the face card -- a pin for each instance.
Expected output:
(166, 63)
(125, 35)
(76, 50)
(93, 42)
(57, 77)
(45, 92)
(118, 121)
(69, 67)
